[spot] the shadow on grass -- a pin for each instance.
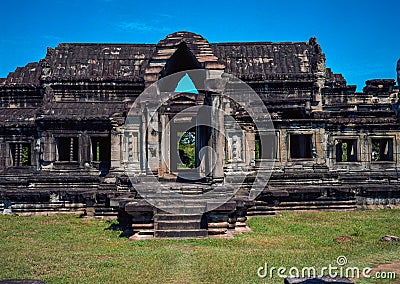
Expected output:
(125, 231)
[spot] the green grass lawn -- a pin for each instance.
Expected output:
(67, 249)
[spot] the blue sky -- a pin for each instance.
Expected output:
(361, 39)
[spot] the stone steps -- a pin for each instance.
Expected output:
(319, 202)
(263, 208)
(143, 235)
(188, 191)
(185, 209)
(260, 212)
(181, 234)
(105, 212)
(27, 209)
(177, 225)
(167, 225)
(160, 217)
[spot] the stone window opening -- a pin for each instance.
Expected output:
(101, 153)
(382, 149)
(20, 154)
(257, 147)
(101, 149)
(67, 149)
(346, 150)
(301, 146)
(270, 142)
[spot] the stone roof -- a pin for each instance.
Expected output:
(20, 117)
(265, 58)
(131, 62)
(96, 61)
(26, 76)
(17, 116)
(80, 111)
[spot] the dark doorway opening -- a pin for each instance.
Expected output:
(101, 153)
(301, 146)
(67, 149)
(265, 146)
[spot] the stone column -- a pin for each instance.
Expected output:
(116, 147)
(143, 143)
(153, 143)
(249, 146)
(365, 150)
(135, 146)
(49, 148)
(203, 132)
(217, 136)
(84, 148)
(283, 146)
(131, 150)
(320, 146)
(164, 138)
(2, 153)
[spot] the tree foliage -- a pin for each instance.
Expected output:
(187, 148)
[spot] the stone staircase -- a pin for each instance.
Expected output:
(102, 211)
(168, 225)
(182, 213)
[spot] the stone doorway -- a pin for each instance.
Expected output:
(187, 157)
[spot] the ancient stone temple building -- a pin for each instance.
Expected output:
(65, 142)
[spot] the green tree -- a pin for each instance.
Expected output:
(25, 159)
(187, 148)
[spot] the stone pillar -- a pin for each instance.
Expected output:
(84, 148)
(36, 153)
(2, 153)
(217, 137)
(320, 147)
(153, 143)
(131, 150)
(365, 150)
(283, 146)
(116, 147)
(396, 148)
(164, 145)
(203, 132)
(249, 147)
(135, 146)
(49, 148)
(7, 157)
(143, 143)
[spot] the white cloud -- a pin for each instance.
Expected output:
(140, 27)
